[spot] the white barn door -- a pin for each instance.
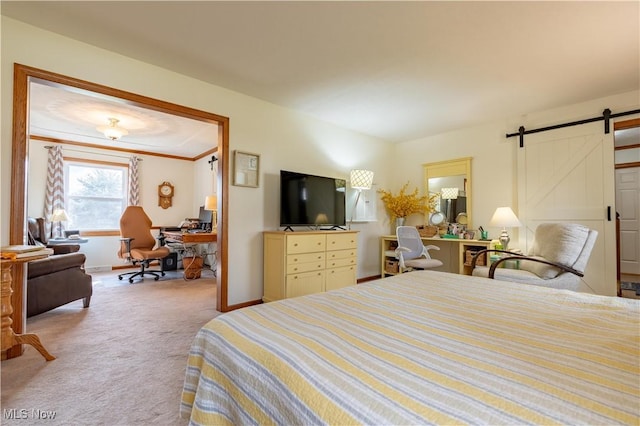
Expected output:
(567, 175)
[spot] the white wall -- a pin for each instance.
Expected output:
(494, 172)
(284, 139)
(492, 166)
(102, 251)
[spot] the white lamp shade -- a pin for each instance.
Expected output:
(361, 179)
(504, 217)
(449, 193)
(59, 215)
(211, 202)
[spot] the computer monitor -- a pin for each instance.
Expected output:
(205, 218)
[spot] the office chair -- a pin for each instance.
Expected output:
(137, 244)
(411, 252)
(557, 259)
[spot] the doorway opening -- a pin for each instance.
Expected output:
(24, 75)
(627, 188)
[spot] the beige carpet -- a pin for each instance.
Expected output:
(120, 362)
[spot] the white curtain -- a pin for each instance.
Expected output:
(54, 195)
(134, 184)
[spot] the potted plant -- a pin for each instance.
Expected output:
(406, 203)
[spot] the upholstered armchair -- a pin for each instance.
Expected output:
(58, 279)
(557, 259)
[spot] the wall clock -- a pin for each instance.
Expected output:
(165, 195)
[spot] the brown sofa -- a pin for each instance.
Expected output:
(58, 279)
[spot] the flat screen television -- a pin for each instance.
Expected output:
(308, 200)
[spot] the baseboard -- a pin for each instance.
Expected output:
(94, 269)
(365, 279)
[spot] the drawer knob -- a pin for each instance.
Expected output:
(295, 244)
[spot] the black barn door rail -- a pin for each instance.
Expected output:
(606, 117)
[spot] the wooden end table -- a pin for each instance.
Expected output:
(8, 337)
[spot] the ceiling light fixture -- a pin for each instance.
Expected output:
(112, 131)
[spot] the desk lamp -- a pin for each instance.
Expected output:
(360, 180)
(505, 217)
(211, 203)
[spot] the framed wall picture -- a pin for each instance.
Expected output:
(246, 169)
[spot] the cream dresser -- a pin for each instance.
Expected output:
(299, 263)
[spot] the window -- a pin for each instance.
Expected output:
(96, 194)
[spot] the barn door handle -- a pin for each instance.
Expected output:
(609, 213)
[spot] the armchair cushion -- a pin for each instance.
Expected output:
(558, 243)
(54, 264)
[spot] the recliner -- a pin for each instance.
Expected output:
(138, 245)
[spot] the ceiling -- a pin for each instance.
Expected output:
(73, 115)
(394, 70)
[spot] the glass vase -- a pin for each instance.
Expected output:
(399, 222)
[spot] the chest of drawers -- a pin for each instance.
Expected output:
(299, 263)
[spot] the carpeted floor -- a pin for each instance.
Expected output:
(120, 362)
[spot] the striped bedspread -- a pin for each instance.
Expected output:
(420, 348)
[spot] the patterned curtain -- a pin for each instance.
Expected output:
(54, 195)
(134, 184)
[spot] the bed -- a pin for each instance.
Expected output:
(423, 347)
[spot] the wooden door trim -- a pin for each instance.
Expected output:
(621, 125)
(22, 75)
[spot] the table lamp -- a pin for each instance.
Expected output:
(360, 180)
(59, 215)
(505, 218)
(211, 203)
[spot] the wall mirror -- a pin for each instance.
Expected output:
(451, 180)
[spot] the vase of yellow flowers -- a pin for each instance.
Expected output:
(406, 203)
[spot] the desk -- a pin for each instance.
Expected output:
(189, 238)
(452, 253)
(9, 338)
(193, 238)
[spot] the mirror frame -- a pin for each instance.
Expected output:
(459, 166)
